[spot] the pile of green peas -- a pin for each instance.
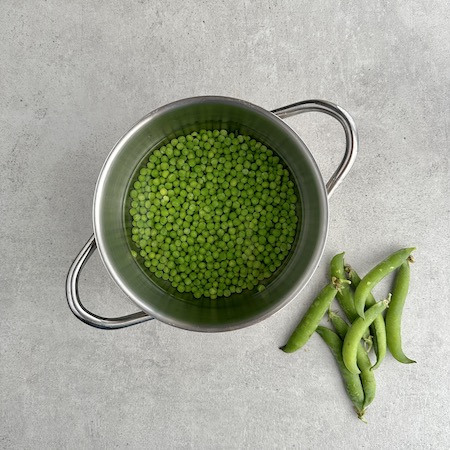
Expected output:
(352, 341)
(214, 213)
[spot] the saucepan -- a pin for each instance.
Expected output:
(110, 230)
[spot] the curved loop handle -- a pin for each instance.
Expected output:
(74, 300)
(344, 118)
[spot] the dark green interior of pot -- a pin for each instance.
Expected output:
(112, 226)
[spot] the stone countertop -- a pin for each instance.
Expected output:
(74, 76)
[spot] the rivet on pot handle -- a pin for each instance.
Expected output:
(344, 118)
(74, 300)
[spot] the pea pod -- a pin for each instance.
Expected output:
(394, 314)
(344, 296)
(380, 271)
(352, 382)
(362, 358)
(355, 334)
(312, 317)
(378, 327)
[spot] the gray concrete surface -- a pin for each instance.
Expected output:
(74, 76)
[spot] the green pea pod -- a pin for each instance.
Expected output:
(344, 295)
(380, 271)
(355, 334)
(352, 382)
(362, 358)
(312, 317)
(378, 327)
(394, 314)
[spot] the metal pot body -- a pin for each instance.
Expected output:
(111, 231)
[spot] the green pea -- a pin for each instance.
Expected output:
(362, 359)
(378, 328)
(312, 317)
(356, 332)
(394, 314)
(202, 205)
(343, 296)
(352, 382)
(379, 272)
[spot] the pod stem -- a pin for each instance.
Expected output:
(368, 343)
(360, 413)
(387, 300)
(348, 268)
(331, 313)
(339, 283)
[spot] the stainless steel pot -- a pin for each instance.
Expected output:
(182, 117)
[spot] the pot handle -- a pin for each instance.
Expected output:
(344, 118)
(74, 300)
